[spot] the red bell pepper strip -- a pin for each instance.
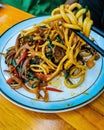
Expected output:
(15, 71)
(24, 55)
(53, 89)
(10, 80)
(41, 75)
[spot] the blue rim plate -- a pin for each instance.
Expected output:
(68, 100)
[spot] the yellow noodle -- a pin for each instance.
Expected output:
(59, 68)
(40, 68)
(74, 5)
(74, 85)
(59, 44)
(71, 26)
(63, 14)
(66, 37)
(55, 17)
(55, 11)
(71, 16)
(80, 13)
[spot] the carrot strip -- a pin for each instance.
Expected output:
(22, 58)
(10, 80)
(41, 75)
(53, 89)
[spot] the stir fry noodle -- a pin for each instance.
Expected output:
(51, 48)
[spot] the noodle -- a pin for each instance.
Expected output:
(51, 48)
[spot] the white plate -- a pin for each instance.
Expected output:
(70, 99)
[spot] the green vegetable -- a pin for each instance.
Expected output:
(34, 85)
(48, 39)
(19, 68)
(69, 81)
(13, 62)
(50, 44)
(76, 10)
(31, 38)
(30, 75)
(58, 39)
(43, 26)
(66, 74)
(28, 37)
(49, 55)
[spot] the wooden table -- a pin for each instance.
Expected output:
(12, 117)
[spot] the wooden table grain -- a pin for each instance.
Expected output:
(12, 117)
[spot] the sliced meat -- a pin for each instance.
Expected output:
(58, 54)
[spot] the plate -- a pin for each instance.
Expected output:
(68, 100)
